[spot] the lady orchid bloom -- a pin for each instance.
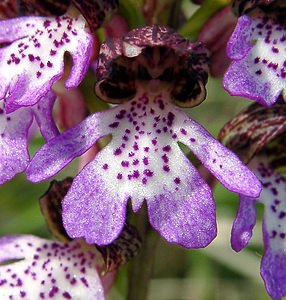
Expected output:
(30, 65)
(34, 59)
(258, 136)
(150, 72)
(257, 51)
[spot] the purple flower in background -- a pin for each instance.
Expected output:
(47, 269)
(35, 58)
(14, 131)
(32, 60)
(258, 136)
(257, 50)
(147, 72)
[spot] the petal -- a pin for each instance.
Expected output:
(219, 160)
(258, 70)
(34, 61)
(14, 29)
(93, 209)
(54, 270)
(60, 151)
(185, 215)
(43, 112)
(273, 272)
(273, 196)
(14, 155)
(244, 223)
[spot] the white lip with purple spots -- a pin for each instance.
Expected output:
(143, 162)
(258, 52)
(48, 270)
(35, 58)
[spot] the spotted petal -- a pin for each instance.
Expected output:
(47, 269)
(273, 264)
(143, 151)
(14, 156)
(34, 60)
(220, 161)
(257, 49)
(56, 154)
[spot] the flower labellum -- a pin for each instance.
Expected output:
(148, 72)
(35, 58)
(257, 50)
(43, 269)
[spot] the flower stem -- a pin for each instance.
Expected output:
(142, 267)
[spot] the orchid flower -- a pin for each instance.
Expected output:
(258, 135)
(257, 51)
(44, 269)
(30, 65)
(14, 131)
(34, 59)
(149, 72)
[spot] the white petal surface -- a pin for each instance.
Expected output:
(47, 270)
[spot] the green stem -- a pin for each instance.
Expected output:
(142, 267)
(193, 26)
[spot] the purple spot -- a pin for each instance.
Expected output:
(177, 180)
(145, 161)
(105, 166)
(183, 131)
(166, 168)
(117, 151)
(154, 142)
(146, 149)
(22, 294)
(144, 180)
(31, 57)
(148, 173)
(282, 214)
(165, 158)
(119, 176)
(135, 146)
(192, 140)
(136, 174)
(66, 295)
(114, 125)
(125, 164)
(53, 291)
(135, 162)
(167, 148)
